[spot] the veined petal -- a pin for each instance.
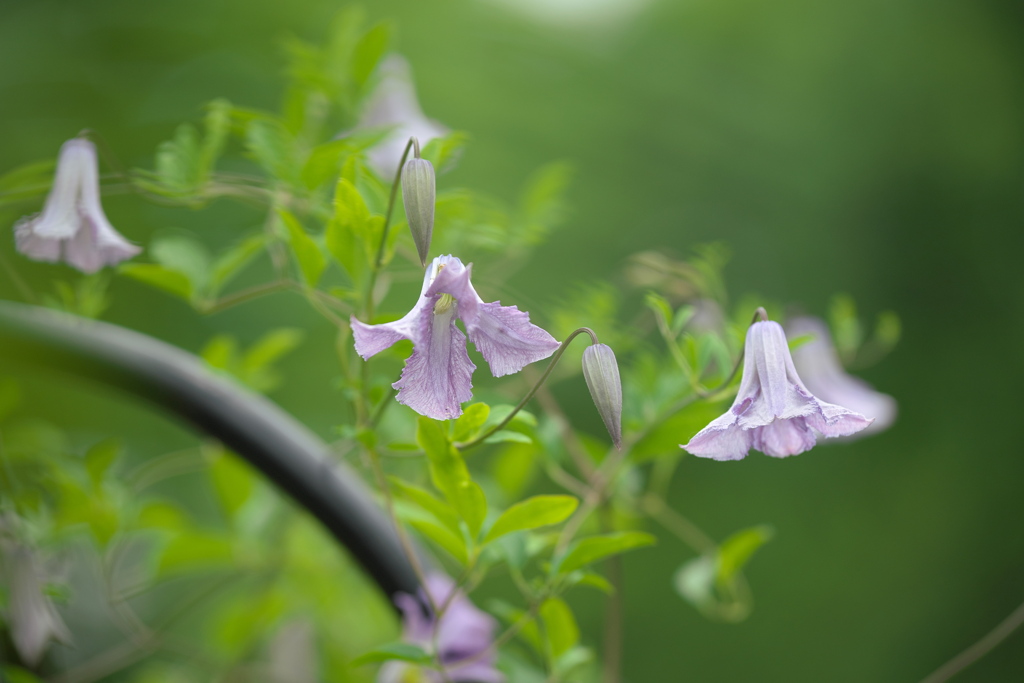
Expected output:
(723, 439)
(437, 378)
(784, 437)
(832, 420)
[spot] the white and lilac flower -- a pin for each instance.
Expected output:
(437, 377)
(72, 225)
(32, 618)
(465, 636)
(393, 104)
(773, 411)
(823, 374)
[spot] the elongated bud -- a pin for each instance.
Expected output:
(418, 192)
(602, 374)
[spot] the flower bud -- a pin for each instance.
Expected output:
(418, 192)
(602, 374)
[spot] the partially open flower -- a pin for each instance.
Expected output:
(465, 636)
(72, 224)
(823, 374)
(773, 411)
(418, 194)
(393, 103)
(601, 371)
(437, 377)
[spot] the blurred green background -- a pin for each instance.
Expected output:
(873, 148)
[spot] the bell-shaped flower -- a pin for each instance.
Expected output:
(72, 225)
(823, 374)
(437, 377)
(465, 636)
(773, 411)
(393, 104)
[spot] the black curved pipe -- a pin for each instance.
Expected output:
(251, 426)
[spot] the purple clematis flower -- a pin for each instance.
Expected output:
(72, 222)
(773, 411)
(823, 373)
(464, 634)
(393, 103)
(437, 377)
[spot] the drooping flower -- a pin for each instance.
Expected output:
(773, 411)
(72, 224)
(465, 636)
(393, 103)
(823, 374)
(437, 377)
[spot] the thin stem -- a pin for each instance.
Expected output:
(614, 612)
(685, 530)
(387, 225)
(526, 399)
(979, 649)
(248, 294)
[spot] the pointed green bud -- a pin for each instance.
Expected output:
(418, 192)
(602, 374)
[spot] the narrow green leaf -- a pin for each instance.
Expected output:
(588, 550)
(348, 232)
(736, 551)
(306, 251)
(195, 550)
(400, 651)
(368, 52)
(185, 255)
(506, 435)
(234, 259)
(157, 276)
(470, 422)
(451, 543)
(533, 513)
(272, 146)
(233, 480)
(445, 151)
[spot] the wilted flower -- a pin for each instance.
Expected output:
(464, 634)
(72, 222)
(823, 374)
(437, 376)
(393, 103)
(773, 411)
(601, 371)
(31, 615)
(418, 194)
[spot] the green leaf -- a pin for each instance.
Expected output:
(349, 230)
(451, 543)
(178, 161)
(184, 255)
(542, 206)
(272, 146)
(307, 252)
(736, 551)
(506, 435)
(449, 473)
(100, 457)
(195, 550)
(532, 513)
(160, 277)
(233, 480)
(588, 550)
(368, 52)
(401, 651)
(267, 350)
(559, 626)
(26, 181)
(217, 125)
(470, 422)
(10, 396)
(15, 674)
(440, 510)
(443, 152)
(234, 259)
(324, 162)
(161, 515)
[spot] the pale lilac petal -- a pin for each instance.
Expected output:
(437, 378)
(372, 339)
(97, 245)
(393, 104)
(77, 167)
(503, 334)
(784, 437)
(33, 245)
(773, 411)
(34, 621)
(823, 374)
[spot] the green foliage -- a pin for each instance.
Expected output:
(532, 513)
(255, 367)
(450, 475)
(403, 652)
(588, 550)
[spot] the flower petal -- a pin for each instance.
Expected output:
(97, 245)
(723, 439)
(437, 377)
(35, 246)
(784, 437)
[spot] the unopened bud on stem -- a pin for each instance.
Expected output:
(418, 194)
(602, 374)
